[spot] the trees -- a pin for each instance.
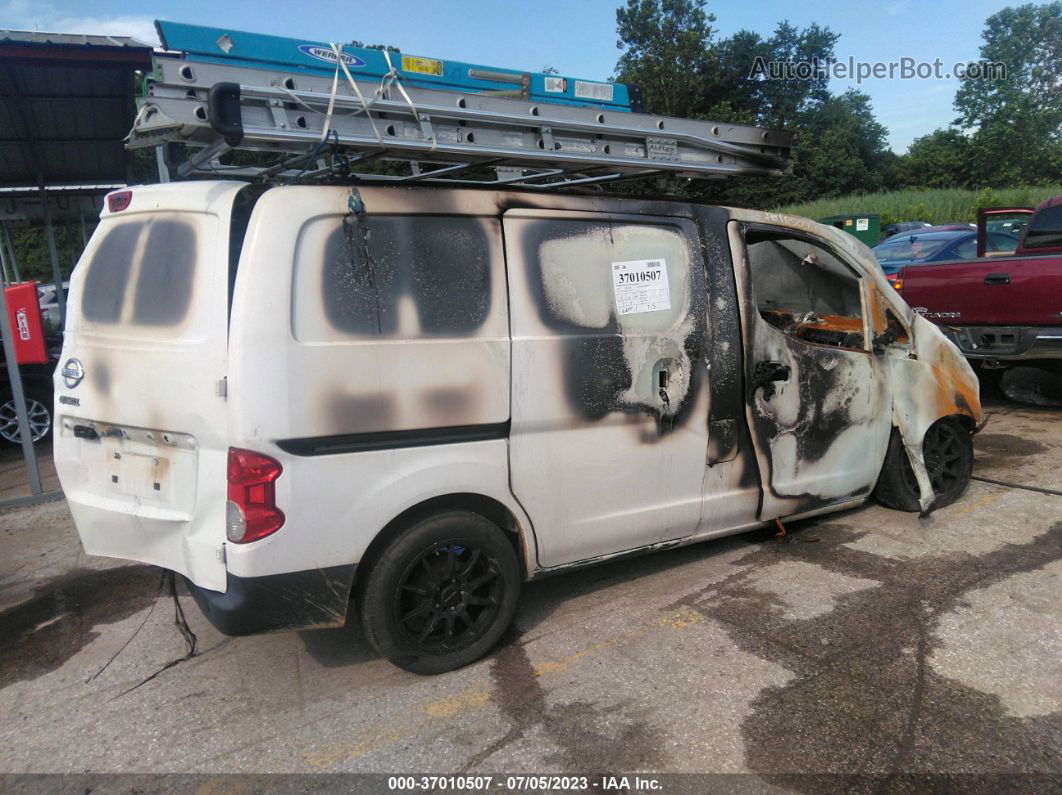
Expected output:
(682, 69)
(941, 159)
(1011, 129)
(1017, 120)
(666, 52)
(840, 150)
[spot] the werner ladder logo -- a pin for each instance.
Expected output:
(325, 54)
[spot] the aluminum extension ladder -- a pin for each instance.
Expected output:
(312, 126)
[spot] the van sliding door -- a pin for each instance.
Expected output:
(609, 437)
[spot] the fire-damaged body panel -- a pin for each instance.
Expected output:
(593, 375)
(610, 329)
(824, 387)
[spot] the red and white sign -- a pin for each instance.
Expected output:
(24, 317)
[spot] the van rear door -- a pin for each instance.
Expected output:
(141, 435)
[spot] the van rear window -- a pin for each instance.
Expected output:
(143, 272)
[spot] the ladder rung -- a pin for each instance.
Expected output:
(220, 107)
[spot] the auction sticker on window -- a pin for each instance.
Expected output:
(641, 286)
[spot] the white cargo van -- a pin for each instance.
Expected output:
(413, 399)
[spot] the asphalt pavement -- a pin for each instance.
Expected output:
(870, 643)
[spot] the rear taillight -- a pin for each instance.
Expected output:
(897, 284)
(252, 508)
(116, 202)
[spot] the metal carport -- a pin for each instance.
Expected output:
(66, 104)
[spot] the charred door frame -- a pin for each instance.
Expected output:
(806, 503)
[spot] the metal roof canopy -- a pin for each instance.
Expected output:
(68, 203)
(66, 104)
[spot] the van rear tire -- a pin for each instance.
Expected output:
(441, 594)
(948, 451)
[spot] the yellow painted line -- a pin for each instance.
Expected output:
(452, 707)
(468, 700)
(476, 698)
(978, 504)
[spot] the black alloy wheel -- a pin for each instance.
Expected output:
(448, 595)
(947, 462)
(441, 592)
(947, 450)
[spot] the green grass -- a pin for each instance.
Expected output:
(938, 206)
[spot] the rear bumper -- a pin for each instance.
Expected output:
(294, 600)
(1008, 343)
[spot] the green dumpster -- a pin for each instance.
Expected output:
(866, 227)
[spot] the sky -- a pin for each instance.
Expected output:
(577, 37)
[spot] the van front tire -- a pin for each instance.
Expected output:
(948, 453)
(441, 594)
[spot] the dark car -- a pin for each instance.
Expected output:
(37, 388)
(924, 247)
(923, 227)
(902, 226)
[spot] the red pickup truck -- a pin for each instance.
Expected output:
(999, 310)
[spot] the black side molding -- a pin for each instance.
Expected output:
(393, 440)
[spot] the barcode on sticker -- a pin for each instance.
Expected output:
(640, 286)
(601, 91)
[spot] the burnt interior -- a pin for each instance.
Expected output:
(804, 290)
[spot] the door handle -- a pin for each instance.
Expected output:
(765, 374)
(997, 278)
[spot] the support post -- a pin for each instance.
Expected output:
(5, 274)
(12, 262)
(57, 272)
(18, 396)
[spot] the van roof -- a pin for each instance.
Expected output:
(194, 195)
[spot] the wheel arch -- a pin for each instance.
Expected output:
(965, 420)
(487, 507)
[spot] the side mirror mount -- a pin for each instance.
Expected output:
(884, 340)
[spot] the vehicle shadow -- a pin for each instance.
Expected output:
(540, 599)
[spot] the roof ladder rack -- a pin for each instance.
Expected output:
(312, 126)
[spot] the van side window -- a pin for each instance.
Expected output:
(903, 336)
(804, 290)
(392, 276)
(575, 263)
(619, 300)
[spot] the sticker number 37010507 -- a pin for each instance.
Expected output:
(641, 286)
